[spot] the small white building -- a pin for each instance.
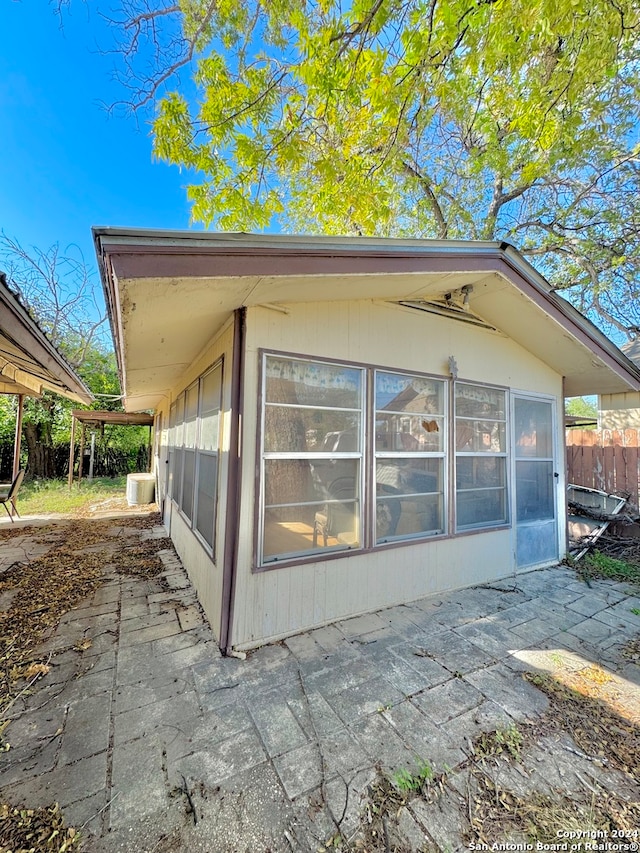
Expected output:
(622, 410)
(344, 424)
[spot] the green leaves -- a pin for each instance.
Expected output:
(467, 119)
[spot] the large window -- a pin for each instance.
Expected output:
(312, 457)
(481, 456)
(193, 452)
(410, 441)
(358, 457)
(207, 453)
(189, 463)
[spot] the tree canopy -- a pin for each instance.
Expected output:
(513, 120)
(61, 292)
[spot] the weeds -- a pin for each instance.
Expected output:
(404, 780)
(599, 565)
(502, 742)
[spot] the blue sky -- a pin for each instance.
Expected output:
(66, 164)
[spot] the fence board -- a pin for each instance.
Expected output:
(605, 459)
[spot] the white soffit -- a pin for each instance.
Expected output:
(164, 321)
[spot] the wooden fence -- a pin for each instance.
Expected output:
(605, 459)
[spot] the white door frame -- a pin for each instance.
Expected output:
(558, 481)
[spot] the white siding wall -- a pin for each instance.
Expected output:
(282, 601)
(619, 411)
(205, 572)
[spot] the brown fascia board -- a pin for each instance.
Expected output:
(580, 326)
(131, 254)
(25, 333)
(112, 303)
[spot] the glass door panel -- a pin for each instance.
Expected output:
(535, 498)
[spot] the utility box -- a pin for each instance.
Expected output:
(140, 489)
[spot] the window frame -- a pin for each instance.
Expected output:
(367, 495)
(442, 454)
(263, 456)
(177, 449)
(215, 453)
(505, 455)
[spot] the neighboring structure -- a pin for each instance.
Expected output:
(344, 423)
(622, 410)
(29, 363)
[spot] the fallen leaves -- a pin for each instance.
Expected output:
(79, 555)
(592, 722)
(35, 830)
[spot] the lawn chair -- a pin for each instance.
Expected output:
(10, 496)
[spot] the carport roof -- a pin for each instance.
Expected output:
(29, 362)
(168, 292)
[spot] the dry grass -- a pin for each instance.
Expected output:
(593, 724)
(498, 814)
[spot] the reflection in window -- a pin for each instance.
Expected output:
(410, 441)
(533, 429)
(481, 451)
(312, 457)
(193, 453)
(208, 448)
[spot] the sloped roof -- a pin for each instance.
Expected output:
(29, 363)
(167, 293)
(632, 350)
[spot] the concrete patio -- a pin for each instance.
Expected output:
(149, 724)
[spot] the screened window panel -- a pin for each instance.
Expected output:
(304, 515)
(409, 498)
(402, 518)
(301, 480)
(397, 392)
(179, 427)
(409, 433)
(476, 401)
(481, 461)
(293, 429)
(210, 402)
(477, 472)
(171, 466)
(480, 436)
(309, 383)
(177, 476)
(409, 476)
(209, 431)
(172, 425)
(482, 508)
(207, 491)
(190, 416)
(533, 428)
(481, 491)
(410, 440)
(312, 449)
(534, 495)
(188, 483)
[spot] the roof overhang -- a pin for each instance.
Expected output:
(102, 417)
(29, 363)
(168, 293)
